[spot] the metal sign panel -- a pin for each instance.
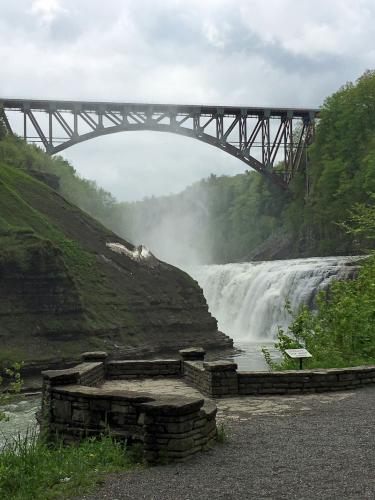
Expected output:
(298, 353)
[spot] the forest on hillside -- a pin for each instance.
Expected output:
(231, 218)
(224, 219)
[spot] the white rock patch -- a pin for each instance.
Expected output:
(138, 254)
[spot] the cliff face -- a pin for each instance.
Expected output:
(68, 284)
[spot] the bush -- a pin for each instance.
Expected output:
(341, 332)
(13, 384)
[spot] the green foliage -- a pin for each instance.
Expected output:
(33, 470)
(81, 192)
(342, 167)
(361, 223)
(222, 433)
(10, 386)
(341, 332)
(3, 129)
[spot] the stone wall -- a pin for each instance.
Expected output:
(143, 369)
(171, 428)
(215, 379)
(305, 381)
(221, 378)
(75, 403)
(197, 376)
(86, 373)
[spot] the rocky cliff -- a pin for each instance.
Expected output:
(68, 284)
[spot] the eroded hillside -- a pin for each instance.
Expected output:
(65, 288)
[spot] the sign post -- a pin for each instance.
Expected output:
(300, 354)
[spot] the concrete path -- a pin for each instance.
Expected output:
(304, 447)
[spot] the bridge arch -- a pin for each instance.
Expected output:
(245, 133)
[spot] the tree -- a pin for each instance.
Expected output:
(3, 128)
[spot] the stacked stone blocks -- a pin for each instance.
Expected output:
(305, 381)
(75, 404)
(171, 428)
(221, 378)
(143, 369)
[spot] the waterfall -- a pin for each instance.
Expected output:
(248, 299)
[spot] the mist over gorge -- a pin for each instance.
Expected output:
(175, 228)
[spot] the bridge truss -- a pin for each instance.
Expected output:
(272, 141)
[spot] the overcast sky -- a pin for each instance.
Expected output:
(248, 52)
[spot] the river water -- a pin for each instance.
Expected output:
(248, 299)
(21, 418)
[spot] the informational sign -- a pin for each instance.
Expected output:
(298, 353)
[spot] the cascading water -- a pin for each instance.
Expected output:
(248, 299)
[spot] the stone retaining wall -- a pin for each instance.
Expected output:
(143, 369)
(171, 428)
(91, 374)
(305, 381)
(87, 373)
(197, 376)
(216, 378)
(221, 378)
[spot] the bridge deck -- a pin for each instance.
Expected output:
(262, 137)
(95, 106)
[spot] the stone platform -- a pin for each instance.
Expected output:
(137, 401)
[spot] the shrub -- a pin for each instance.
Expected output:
(341, 332)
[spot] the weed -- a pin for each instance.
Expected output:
(222, 433)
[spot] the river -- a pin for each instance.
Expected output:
(21, 418)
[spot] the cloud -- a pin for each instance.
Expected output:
(217, 36)
(313, 29)
(46, 10)
(246, 52)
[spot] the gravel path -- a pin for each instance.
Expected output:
(306, 447)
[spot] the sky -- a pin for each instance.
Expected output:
(225, 52)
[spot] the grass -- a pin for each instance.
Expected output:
(222, 433)
(30, 469)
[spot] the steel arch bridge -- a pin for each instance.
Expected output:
(260, 137)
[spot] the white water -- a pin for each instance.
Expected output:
(248, 299)
(21, 414)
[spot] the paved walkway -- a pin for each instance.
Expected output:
(305, 447)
